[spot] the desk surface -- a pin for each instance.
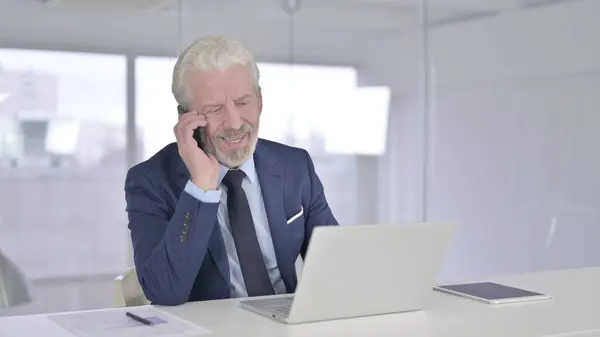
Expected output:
(574, 311)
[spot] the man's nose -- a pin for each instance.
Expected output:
(233, 119)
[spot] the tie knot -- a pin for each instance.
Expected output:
(233, 179)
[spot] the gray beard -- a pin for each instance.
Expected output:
(237, 157)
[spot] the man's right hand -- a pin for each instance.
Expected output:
(204, 168)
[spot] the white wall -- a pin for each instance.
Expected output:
(507, 126)
(515, 134)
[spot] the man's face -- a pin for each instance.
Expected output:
(232, 107)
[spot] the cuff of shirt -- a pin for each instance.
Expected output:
(200, 194)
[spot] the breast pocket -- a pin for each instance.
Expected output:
(295, 223)
(296, 216)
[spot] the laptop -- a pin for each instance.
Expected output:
(354, 271)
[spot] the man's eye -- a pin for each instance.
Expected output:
(215, 110)
(242, 103)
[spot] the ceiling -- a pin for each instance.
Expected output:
(322, 32)
(382, 15)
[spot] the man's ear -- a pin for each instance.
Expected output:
(260, 101)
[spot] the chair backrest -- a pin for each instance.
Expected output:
(128, 292)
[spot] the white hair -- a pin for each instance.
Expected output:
(210, 53)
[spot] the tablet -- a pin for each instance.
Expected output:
(490, 292)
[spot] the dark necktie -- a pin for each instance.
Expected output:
(249, 254)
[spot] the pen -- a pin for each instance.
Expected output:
(138, 318)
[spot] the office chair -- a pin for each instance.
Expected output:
(14, 287)
(128, 292)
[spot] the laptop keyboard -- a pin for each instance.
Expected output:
(279, 306)
(280, 310)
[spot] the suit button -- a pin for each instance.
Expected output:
(188, 216)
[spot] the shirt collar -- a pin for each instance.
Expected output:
(247, 167)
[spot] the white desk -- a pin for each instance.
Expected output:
(574, 311)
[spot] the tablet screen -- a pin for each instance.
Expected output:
(490, 291)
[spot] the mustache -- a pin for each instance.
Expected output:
(246, 128)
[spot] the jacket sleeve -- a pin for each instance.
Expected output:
(168, 252)
(319, 213)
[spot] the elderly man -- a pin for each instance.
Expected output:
(221, 213)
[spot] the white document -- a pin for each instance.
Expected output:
(114, 323)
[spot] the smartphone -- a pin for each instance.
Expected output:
(198, 133)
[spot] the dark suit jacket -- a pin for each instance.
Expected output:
(178, 249)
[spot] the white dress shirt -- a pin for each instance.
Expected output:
(251, 186)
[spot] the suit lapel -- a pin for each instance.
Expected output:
(270, 176)
(216, 246)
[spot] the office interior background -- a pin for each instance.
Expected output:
(485, 113)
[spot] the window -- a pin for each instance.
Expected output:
(62, 151)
